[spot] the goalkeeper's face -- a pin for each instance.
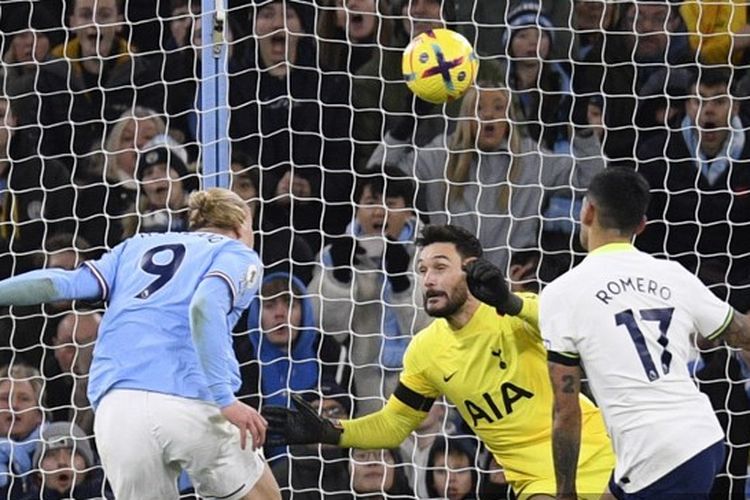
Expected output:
(444, 288)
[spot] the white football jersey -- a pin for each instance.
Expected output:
(629, 318)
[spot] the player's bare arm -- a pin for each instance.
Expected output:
(737, 332)
(566, 426)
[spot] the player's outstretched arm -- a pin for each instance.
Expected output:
(300, 426)
(737, 332)
(566, 426)
(209, 308)
(386, 428)
(487, 283)
(50, 285)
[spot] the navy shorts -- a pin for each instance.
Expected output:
(691, 480)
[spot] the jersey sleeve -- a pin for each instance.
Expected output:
(556, 325)
(710, 314)
(528, 319)
(414, 374)
(240, 268)
(105, 268)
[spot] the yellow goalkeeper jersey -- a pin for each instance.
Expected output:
(494, 370)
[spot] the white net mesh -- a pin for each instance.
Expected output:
(101, 140)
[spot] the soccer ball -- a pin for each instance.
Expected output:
(439, 65)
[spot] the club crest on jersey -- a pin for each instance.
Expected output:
(250, 279)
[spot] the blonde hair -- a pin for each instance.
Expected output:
(112, 143)
(21, 372)
(463, 149)
(216, 207)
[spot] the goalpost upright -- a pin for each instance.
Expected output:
(214, 104)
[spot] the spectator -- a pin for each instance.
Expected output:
(492, 483)
(34, 195)
(524, 271)
(280, 248)
(365, 295)
(719, 32)
(416, 448)
(294, 202)
(378, 475)
(21, 419)
(128, 137)
(540, 87)
(699, 213)
(184, 15)
(591, 20)
(451, 472)
(351, 36)
(287, 112)
(380, 97)
(66, 466)
(286, 352)
(642, 42)
(491, 179)
(311, 472)
(165, 186)
(245, 179)
(67, 375)
(94, 78)
(662, 101)
(66, 251)
(32, 32)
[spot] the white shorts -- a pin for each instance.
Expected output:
(145, 439)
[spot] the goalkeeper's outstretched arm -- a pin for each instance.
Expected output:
(386, 428)
(49, 285)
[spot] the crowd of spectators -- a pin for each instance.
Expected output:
(341, 164)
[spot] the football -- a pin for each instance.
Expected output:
(439, 65)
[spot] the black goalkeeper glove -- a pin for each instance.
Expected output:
(345, 252)
(300, 426)
(397, 260)
(487, 283)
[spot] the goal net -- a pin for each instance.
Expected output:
(109, 122)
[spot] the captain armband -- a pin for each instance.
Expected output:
(413, 399)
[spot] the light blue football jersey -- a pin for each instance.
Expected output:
(149, 280)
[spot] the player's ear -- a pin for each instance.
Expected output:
(641, 226)
(588, 212)
(467, 261)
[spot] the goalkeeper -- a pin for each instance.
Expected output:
(487, 359)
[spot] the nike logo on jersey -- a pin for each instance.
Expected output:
(446, 378)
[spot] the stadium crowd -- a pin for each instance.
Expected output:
(341, 165)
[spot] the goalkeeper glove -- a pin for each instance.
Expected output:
(345, 254)
(487, 283)
(300, 426)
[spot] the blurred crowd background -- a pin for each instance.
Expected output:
(341, 164)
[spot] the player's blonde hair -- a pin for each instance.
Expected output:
(216, 207)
